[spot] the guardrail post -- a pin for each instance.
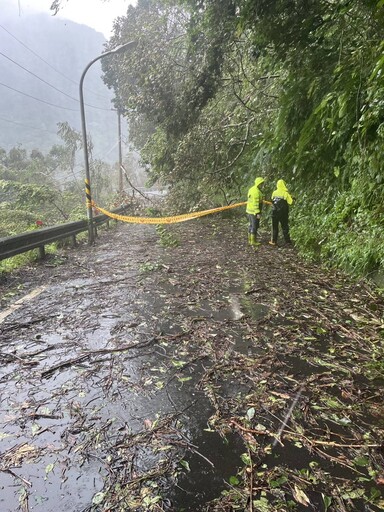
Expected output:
(41, 252)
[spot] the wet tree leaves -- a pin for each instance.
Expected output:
(98, 498)
(113, 376)
(185, 464)
(300, 496)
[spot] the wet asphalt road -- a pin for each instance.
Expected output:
(117, 361)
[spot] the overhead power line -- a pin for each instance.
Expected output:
(50, 85)
(37, 99)
(36, 76)
(25, 125)
(47, 63)
(99, 156)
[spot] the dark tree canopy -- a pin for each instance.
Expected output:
(219, 91)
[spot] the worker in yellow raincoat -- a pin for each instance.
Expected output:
(281, 201)
(254, 208)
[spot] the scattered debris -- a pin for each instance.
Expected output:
(192, 376)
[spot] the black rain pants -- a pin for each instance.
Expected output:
(280, 217)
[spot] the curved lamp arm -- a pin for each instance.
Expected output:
(118, 49)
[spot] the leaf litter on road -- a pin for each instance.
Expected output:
(122, 376)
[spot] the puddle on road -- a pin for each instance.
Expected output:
(255, 310)
(204, 482)
(60, 488)
(232, 307)
(78, 395)
(206, 478)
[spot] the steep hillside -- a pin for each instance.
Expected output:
(40, 56)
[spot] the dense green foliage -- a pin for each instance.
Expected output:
(38, 189)
(218, 92)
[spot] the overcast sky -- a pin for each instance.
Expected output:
(97, 14)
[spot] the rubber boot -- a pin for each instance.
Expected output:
(249, 238)
(253, 241)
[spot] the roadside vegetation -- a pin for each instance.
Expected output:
(218, 92)
(38, 190)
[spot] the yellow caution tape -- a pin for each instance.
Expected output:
(167, 220)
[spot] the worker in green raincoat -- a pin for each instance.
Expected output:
(254, 208)
(281, 201)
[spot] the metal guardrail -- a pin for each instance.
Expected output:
(17, 244)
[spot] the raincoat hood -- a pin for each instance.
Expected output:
(282, 192)
(255, 198)
(281, 185)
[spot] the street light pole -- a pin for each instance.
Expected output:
(88, 195)
(121, 187)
